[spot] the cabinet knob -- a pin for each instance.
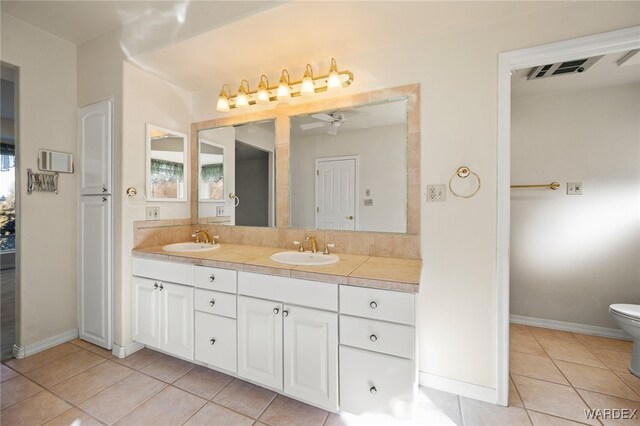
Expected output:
(373, 337)
(161, 287)
(373, 305)
(373, 390)
(285, 313)
(212, 302)
(212, 278)
(276, 311)
(104, 189)
(155, 285)
(213, 341)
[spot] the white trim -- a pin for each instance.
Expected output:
(123, 351)
(572, 327)
(457, 387)
(599, 44)
(47, 343)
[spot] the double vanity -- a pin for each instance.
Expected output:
(340, 336)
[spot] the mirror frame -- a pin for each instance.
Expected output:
(224, 174)
(187, 170)
(282, 113)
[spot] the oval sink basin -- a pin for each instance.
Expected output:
(304, 259)
(190, 247)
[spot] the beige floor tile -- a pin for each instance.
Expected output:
(6, 373)
(245, 398)
(434, 407)
(88, 383)
(140, 359)
(168, 369)
(81, 343)
(105, 353)
(525, 343)
(41, 358)
(204, 382)
(604, 343)
(35, 410)
(514, 398)
(285, 411)
(615, 360)
(73, 417)
(534, 366)
(117, 400)
(632, 381)
(546, 333)
(476, 412)
(171, 406)
(222, 416)
(600, 401)
(541, 419)
(551, 398)
(16, 390)
(570, 349)
(596, 379)
(64, 367)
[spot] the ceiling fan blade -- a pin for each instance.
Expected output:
(322, 116)
(308, 126)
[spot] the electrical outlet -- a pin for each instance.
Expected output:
(368, 202)
(574, 188)
(436, 193)
(219, 210)
(152, 213)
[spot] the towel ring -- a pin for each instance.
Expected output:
(464, 172)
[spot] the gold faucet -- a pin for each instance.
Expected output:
(314, 244)
(205, 235)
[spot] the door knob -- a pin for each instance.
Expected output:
(350, 217)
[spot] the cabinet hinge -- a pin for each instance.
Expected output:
(317, 172)
(317, 209)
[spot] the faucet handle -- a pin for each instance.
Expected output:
(326, 248)
(300, 246)
(215, 239)
(196, 235)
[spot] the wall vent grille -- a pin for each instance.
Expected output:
(577, 66)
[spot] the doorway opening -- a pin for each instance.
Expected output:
(253, 167)
(8, 208)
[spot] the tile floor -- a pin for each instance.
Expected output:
(554, 377)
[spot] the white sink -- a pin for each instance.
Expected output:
(190, 247)
(304, 259)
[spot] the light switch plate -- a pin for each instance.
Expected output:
(219, 210)
(152, 213)
(574, 188)
(436, 193)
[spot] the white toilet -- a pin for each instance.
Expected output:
(628, 318)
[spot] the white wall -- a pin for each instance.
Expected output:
(458, 72)
(47, 119)
(382, 164)
(573, 256)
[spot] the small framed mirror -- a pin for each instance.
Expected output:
(52, 161)
(166, 164)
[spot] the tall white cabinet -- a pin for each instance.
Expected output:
(95, 251)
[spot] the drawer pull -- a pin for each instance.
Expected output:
(285, 313)
(212, 278)
(373, 390)
(276, 311)
(373, 337)
(212, 302)
(213, 341)
(373, 305)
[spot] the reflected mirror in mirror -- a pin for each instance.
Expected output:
(237, 174)
(348, 168)
(166, 160)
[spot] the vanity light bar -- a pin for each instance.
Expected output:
(264, 94)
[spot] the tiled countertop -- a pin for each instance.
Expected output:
(363, 271)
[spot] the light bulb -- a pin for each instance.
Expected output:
(307, 88)
(333, 81)
(263, 96)
(223, 101)
(284, 90)
(242, 100)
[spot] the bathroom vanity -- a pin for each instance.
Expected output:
(325, 335)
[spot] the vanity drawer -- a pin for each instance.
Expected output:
(215, 341)
(180, 273)
(295, 291)
(378, 304)
(385, 337)
(375, 383)
(215, 279)
(214, 302)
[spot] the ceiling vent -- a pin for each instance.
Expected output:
(562, 68)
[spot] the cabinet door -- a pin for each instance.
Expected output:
(146, 311)
(176, 325)
(96, 142)
(260, 341)
(311, 356)
(95, 272)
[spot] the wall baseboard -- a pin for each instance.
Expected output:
(123, 351)
(457, 387)
(593, 330)
(47, 343)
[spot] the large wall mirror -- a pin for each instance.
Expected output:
(167, 175)
(348, 168)
(236, 175)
